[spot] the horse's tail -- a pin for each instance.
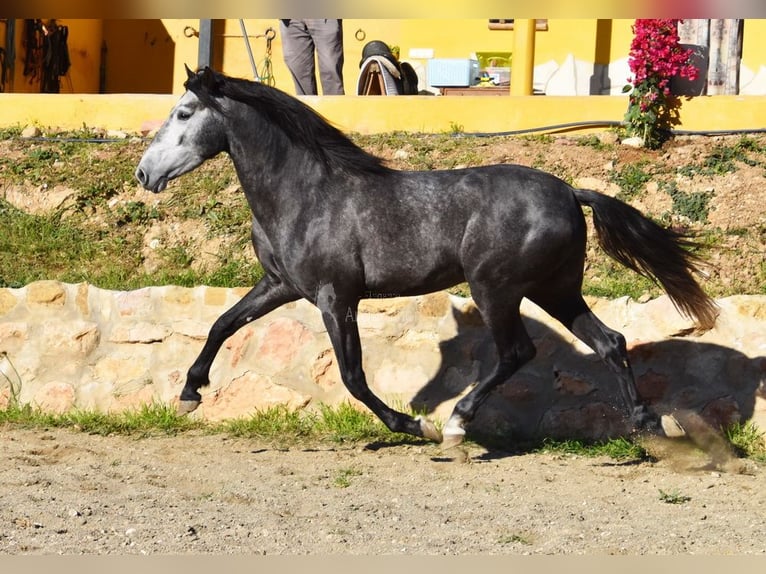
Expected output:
(655, 252)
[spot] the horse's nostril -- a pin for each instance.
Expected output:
(141, 176)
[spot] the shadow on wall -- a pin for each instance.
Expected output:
(566, 393)
(139, 57)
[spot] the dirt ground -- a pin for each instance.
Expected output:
(63, 492)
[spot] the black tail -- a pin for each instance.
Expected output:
(653, 251)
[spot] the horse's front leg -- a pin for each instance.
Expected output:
(268, 294)
(340, 320)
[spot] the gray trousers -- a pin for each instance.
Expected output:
(300, 40)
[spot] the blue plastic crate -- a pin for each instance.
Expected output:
(453, 72)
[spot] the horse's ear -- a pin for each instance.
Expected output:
(189, 73)
(208, 78)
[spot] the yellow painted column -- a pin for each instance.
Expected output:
(523, 65)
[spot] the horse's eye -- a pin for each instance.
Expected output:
(183, 116)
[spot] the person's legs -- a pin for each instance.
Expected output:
(298, 51)
(328, 40)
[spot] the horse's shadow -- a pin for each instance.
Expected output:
(567, 392)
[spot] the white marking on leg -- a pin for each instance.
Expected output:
(454, 426)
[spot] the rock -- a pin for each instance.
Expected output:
(282, 341)
(248, 393)
(47, 293)
(31, 132)
(8, 301)
(633, 141)
(55, 397)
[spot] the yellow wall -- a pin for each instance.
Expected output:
(84, 43)
(148, 56)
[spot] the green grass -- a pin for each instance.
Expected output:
(618, 449)
(748, 440)
(632, 179)
(674, 497)
(337, 424)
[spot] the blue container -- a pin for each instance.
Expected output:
(452, 72)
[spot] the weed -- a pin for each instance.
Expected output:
(632, 179)
(607, 279)
(343, 477)
(594, 141)
(673, 497)
(11, 375)
(11, 132)
(136, 212)
(694, 206)
(748, 440)
(618, 449)
(515, 538)
(723, 158)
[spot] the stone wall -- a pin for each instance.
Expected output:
(65, 346)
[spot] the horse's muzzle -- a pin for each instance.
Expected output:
(144, 179)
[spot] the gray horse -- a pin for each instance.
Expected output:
(332, 224)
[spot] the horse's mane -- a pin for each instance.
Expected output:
(303, 126)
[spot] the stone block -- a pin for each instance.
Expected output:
(117, 371)
(134, 303)
(216, 296)
(139, 332)
(248, 393)
(13, 336)
(77, 336)
(8, 301)
(55, 397)
(325, 372)
(46, 293)
(435, 304)
(282, 340)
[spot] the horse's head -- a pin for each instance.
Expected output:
(188, 137)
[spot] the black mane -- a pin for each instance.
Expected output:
(303, 126)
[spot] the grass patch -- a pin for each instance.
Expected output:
(617, 449)
(329, 424)
(748, 440)
(674, 497)
(606, 278)
(343, 477)
(694, 206)
(632, 179)
(148, 420)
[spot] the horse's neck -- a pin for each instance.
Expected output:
(276, 181)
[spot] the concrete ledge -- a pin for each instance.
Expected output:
(130, 112)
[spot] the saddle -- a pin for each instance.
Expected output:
(382, 74)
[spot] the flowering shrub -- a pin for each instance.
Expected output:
(655, 57)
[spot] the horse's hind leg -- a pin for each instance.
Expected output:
(514, 348)
(609, 344)
(340, 320)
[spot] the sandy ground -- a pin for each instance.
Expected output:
(63, 492)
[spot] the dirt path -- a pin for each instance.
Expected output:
(71, 493)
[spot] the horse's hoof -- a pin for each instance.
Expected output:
(451, 441)
(186, 407)
(671, 427)
(429, 429)
(454, 433)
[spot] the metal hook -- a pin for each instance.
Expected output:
(190, 32)
(360, 35)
